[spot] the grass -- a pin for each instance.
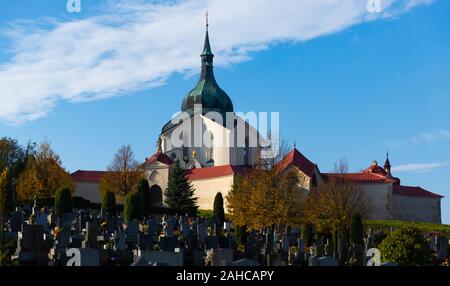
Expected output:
(209, 214)
(423, 226)
(205, 213)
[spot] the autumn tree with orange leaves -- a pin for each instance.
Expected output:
(265, 198)
(43, 175)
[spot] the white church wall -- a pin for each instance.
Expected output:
(380, 199)
(221, 142)
(207, 189)
(88, 191)
(417, 208)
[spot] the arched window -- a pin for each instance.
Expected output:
(210, 150)
(153, 176)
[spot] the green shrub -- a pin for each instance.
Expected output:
(406, 246)
(144, 195)
(356, 230)
(132, 208)
(63, 201)
(109, 203)
(307, 235)
(219, 212)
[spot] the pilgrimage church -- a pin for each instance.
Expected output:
(213, 165)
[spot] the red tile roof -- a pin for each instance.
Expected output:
(160, 157)
(414, 192)
(374, 168)
(297, 159)
(215, 172)
(88, 176)
(359, 177)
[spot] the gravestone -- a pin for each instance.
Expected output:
(76, 241)
(111, 224)
(443, 244)
(132, 230)
(162, 258)
(199, 257)
(168, 243)
(185, 229)
(16, 220)
(222, 257)
(227, 226)
(63, 239)
(212, 242)
(327, 261)
(201, 232)
(121, 243)
(152, 227)
(41, 219)
(66, 220)
(90, 240)
(285, 244)
(51, 220)
(145, 242)
(30, 246)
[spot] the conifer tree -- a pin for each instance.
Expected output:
(109, 203)
(63, 201)
(132, 208)
(144, 195)
(219, 212)
(356, 229)
(179, 194)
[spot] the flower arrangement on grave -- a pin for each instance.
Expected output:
(55, 232)
(446, 263)
(240, 248)
(143, 227)
(293, 249)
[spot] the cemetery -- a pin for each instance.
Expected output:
(37, 236)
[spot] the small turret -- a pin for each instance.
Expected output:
(387, 165)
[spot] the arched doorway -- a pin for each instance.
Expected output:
(156, 196)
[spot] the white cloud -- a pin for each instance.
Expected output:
(422, 138)
(137, 44)
(419, 168)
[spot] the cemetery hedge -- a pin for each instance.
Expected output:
(425, 227)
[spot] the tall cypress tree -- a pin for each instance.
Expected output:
(63, 201)
(144, 194)
(219, 212)
(132, 206)
(356, 229)
(180, 193)
(109, 203)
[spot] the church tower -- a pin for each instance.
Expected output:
(207, 92)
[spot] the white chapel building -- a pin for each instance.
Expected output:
(208, 141)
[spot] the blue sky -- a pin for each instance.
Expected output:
(346, 83)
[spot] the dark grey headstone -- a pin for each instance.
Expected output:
(16, 220)
(168, 243)
(145, 241)
(212, 242)
(201, 231)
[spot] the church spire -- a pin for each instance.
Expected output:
(387, 164)
(207, 92)
(207, 55)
